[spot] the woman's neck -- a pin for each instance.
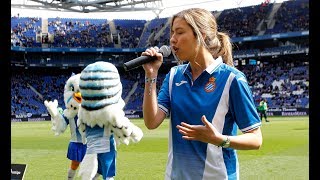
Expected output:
(199, 64)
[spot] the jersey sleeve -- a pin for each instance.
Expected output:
(242, 104)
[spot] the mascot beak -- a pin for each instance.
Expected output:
(77, 97)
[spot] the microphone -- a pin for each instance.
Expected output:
(134, 63)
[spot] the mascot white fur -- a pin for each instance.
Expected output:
(102, 119)
(60, 119)
(72, 100)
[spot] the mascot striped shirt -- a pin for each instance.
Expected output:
(222, 94)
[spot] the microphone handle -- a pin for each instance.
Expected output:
(138, 62)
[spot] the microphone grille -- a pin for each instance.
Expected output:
(165, 50)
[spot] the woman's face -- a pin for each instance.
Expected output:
(183, 42)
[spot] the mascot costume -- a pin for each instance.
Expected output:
(102, 120)
(62, 118)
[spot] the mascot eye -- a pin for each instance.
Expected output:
(72, 88)
(75, 108)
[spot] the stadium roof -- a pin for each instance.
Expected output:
(87, 6)
(119, 9)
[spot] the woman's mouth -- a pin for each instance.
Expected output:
(175, 49)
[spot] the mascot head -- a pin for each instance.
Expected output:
(102, 104)
(100, 86)
(72, 96)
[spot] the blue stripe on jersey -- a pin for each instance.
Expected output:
(228, 106)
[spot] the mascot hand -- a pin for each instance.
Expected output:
(136, 134)
(52, 107)
(59, 124)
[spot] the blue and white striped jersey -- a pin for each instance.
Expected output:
(99, 140)
(222, 94)
(75, 134)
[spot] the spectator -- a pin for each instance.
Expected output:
(263, 107)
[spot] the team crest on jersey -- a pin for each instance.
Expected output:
(211, 85)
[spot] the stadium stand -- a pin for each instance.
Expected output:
(271, 48)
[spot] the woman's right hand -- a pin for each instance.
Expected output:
(151, 68)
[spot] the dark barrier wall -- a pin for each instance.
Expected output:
(139, 114)
(288, 112)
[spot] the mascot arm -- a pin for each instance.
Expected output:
(59, 125)
(82, 128)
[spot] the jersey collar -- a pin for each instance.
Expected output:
(210, 69)
(214, 65)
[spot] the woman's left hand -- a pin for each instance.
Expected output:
(206, 133)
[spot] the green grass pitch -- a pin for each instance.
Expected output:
(283, 155)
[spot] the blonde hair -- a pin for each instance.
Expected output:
(203, 22)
